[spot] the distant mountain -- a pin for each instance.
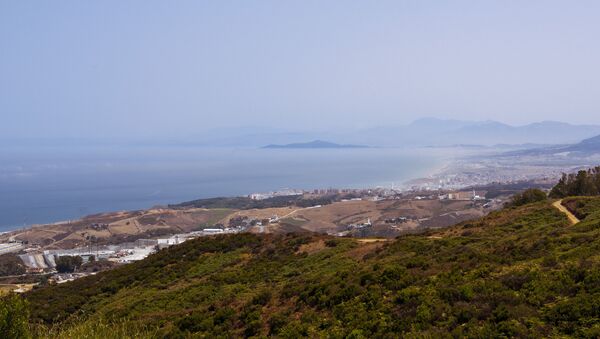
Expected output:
(438, 132)
(315, 144)
(422, 132)
(547, 132)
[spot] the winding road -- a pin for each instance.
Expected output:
(572, 218)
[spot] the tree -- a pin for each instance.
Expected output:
(584, 183)
(560, 190)
(14, 317)
(528, 196)
(67, 264)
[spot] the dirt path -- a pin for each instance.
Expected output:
(572, 218)
(292, 212)
(371, 240)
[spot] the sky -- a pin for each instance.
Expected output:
(163, 68)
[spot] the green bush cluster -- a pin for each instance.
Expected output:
(245, 203)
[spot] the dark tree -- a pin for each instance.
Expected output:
(528, 196)
(584, 183)
(67, 264)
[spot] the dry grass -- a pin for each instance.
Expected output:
(313, 247)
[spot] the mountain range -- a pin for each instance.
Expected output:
(436, 132)
(422, 132)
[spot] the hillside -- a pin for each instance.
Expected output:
(586, 148)
(517, 272)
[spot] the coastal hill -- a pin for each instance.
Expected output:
(587, 146)
(314, 144)
(519, 272)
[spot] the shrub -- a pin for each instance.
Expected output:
(14, 317)
(527, 197)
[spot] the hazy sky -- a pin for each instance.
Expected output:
(164, 68)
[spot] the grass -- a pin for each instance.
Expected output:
(293, 221)
(216, 215)
(100, 329)
(5, 289)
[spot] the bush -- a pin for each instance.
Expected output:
(331, 243)
(66, 264)
(14, 317)
(527, 197)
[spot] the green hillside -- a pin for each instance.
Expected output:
(521, 271)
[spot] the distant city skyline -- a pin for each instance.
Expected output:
(151, 69)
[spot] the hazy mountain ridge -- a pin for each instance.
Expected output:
(425, 132)
(446, 132)
(421, 132)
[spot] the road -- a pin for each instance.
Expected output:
(572, 218)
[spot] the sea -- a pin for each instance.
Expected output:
(41, 185)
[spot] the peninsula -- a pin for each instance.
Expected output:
(315, 144)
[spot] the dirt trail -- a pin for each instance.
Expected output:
(371, 240)
(292, 212)
(572, 218)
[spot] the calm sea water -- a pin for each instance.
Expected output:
(44, 185)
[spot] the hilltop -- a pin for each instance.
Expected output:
(522, 271)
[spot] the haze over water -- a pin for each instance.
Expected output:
(43, 185)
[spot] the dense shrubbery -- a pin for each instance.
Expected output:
(245, 203)
(520, 272)
(583, 207)
(527, 197)
(14, 317)
(584, 183)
